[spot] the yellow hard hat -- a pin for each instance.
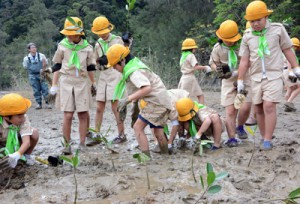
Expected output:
(256, 10)
(13, 104)
(116, 53)
(71, 29)
(295, 42)
(229, 31)
(186, 109)
(101, 25)
(188, 44)
(248, 25)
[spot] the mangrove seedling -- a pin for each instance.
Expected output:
(252, 129)
(211, 178)
(108, 144)
(291, 199)
(202, 144)
(2, 150)
(142, 159)
(74, 162)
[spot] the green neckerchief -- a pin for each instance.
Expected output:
(296, 55)
(12, 141)
(262, 42)
(74, 59)
(232, 58)
(166, 130)
(184, 56)
(104, 44)
(133, 65)
(192, 129)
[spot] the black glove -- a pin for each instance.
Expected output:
(126, 36)
(102, 60)
(93, 90)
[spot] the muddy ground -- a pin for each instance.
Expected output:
(271, 175)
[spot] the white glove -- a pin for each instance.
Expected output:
(297, 71)
(53, 90)
(13, 159)
(240, 86)
(208, 69)
(292, 76)
(234, 74)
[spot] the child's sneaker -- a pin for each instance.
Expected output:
(267, 145)
(232, 142)
(241, 132)
(29, 160)
(119, 139)
(214, 148)
(156, 149)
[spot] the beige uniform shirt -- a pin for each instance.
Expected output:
(108, 78)
(25, 129)
(188, 80)
(74, 92)
(278, 40)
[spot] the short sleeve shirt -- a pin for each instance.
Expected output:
(219, 55)
(158, 94)
(63, 55)
(111, 41)
(25, 128)
(188, 66)
(277, 39)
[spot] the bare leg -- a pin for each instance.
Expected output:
(270, 119)
(244, 113)
(294, 93)
(205, 125)
(173, 133)
(67, 123)
(34, 138)
(201, 99)
(120, 124)
(260, 116)
(288, 93)
(82, 116)
(139, 127)
(162, 141)
(99, 115)
(230, 122)
(217, 129)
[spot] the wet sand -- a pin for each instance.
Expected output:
(271, 175)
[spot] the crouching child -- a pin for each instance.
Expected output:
(200, 121)
(16, 133)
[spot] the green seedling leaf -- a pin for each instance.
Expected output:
(141, 157)
(294, 193)
(209, 168)
(200, 150)
(2, 149)
(1, 155)
(211, 176)
(72, 21)
(104, 140)
(221, 175)
(136, 155)
(204, 142)
(202, 182)
(214, 189)
(67, 159)
(131, 4)
(289, 201)
(75, 159)
(92, 130)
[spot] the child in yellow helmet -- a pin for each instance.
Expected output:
(108, 78)
(224, 59)
(261, 53)
(16, 133)
(293, 87)
(146, 87)
(75, 58)
(188, 66)
(199, 120)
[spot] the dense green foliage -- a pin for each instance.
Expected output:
(158, 27)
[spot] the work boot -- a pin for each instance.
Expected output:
(289, 107)
(48, 106)
(67, 150)
(38, 107)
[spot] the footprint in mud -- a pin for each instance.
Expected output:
(284, 157)
(102, 192)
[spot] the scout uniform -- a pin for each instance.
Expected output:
(265, 73)
(188, 62)
(74, 92)
(108, 78)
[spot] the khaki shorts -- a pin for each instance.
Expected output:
(74, 93)
(155, 114)
(189, 83)
(108, 80)
(267, 91)
(286, 80)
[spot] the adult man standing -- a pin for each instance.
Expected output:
(34, 62)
